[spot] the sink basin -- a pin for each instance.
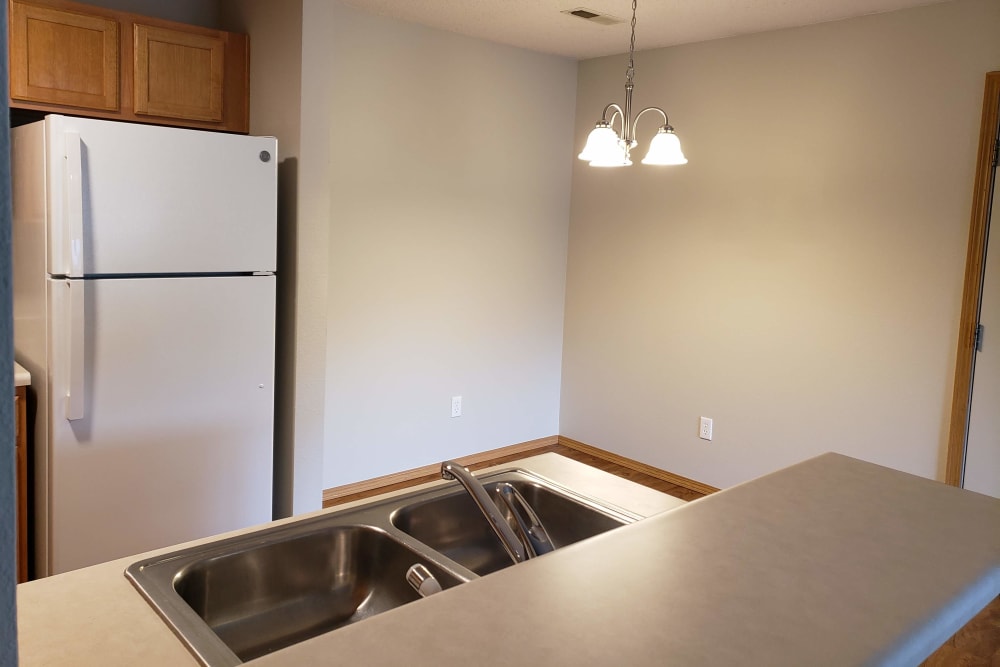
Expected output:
(239, 598)
(454, 526)
(262, 593)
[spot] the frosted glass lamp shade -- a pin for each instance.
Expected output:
(665, 148)
(602, 144)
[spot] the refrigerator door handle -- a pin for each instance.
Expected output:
(73, 194)
(75, 321)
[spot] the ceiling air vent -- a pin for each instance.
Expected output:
(593, 16)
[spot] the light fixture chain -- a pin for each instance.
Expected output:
(630, 72)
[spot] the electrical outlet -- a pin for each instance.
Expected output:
(705, 429)
(456, 406)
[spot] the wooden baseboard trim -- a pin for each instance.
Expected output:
(636, 465)
(429, 473)
(371, 487)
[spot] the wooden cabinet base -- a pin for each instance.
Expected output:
(77, 59)
(21, 484)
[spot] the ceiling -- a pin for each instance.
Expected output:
(539, 25)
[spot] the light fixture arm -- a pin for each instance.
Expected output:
(629, 126)
(617, 114)
(666, 121)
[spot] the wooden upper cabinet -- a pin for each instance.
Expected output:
(63, 57)
(68, 57)
(179, 74)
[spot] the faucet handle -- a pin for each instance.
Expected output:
(530, 530)
(422, 581)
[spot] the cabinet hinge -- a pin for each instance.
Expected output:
(979, 338)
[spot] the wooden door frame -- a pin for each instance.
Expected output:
(973, 290)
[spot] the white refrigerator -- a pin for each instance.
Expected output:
(144, 308)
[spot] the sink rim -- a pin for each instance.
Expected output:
(209, 649)
(466, 540)
(154, 577)
(511, 474)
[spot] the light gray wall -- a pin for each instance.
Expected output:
(800, 280)
(312, 232)
(431, 212)
(289, 98)
(448, 182)
(276, 107)
(197, 12)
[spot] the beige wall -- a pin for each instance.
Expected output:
(798, 281)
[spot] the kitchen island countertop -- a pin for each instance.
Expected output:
(94, 617)
(832, 561)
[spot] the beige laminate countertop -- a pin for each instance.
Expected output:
(832, 561)
(95, 617)
(22, 377)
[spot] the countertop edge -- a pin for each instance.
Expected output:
(830, 561)
(22, 377)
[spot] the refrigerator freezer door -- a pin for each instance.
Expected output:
(159, 200)
(175, 442)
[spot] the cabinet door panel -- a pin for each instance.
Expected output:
(62, 57)
(179, 74)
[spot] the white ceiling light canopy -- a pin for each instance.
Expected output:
(607, 148)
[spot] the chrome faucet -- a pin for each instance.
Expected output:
(510, 541)
(530, 538)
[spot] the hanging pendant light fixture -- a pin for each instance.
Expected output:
(607, 148)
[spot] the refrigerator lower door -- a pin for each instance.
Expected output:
(173, 437)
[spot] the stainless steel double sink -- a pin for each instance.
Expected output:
(239, 598)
